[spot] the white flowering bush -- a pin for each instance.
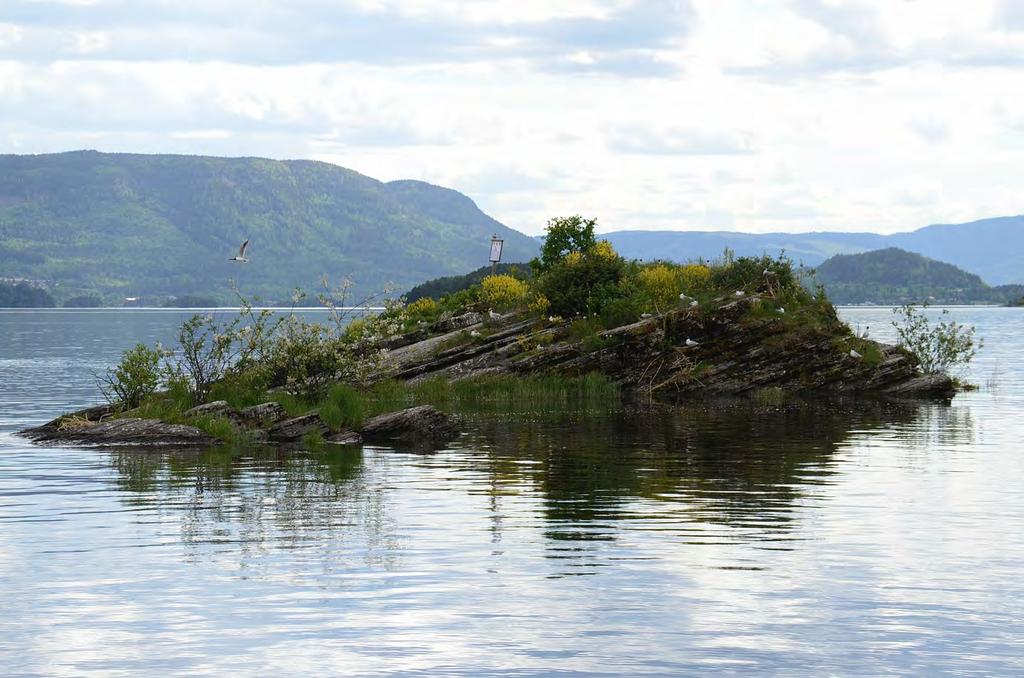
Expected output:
(939, 348)
(257, 350)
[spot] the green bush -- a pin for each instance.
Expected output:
(343, 407)
(584, 283)
(751, 274)
(939, 347)
(136, 377)
(622, 311)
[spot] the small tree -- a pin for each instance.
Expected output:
(584, 283)
(565, 235)
(135, 377)
(938, 348)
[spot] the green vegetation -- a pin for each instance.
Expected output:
(597, 284)
(192, 301)
(150, 226)
(84, 301)
(440, 287)
(940, 347)
(135, 378)
(564, 236)
(503, 292)
(895, 276)
(23, 295)
(332, 368)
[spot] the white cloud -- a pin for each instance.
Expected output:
(800, 115)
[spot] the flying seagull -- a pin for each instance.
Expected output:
(241, 254)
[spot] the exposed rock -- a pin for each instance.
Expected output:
(420, 425)
(459, 322)
(345, 438)
(934, 384)
(120, 432)
(294, 429)
(216, 409)
(264, 414)
(730, 352)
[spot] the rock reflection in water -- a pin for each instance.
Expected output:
(704, 472)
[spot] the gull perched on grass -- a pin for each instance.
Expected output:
(241, 254)
(739, 293)
(691, 343)
(854, 354)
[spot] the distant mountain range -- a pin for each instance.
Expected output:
(109, 226)
(121, 225)
(990, 248)
(893, 276)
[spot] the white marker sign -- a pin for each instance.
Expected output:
(496, 250)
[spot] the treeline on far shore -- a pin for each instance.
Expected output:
(23, 294)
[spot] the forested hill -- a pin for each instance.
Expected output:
(991, 248)
(892, 275)
(156, 225)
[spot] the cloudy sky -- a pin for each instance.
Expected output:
(752, 115)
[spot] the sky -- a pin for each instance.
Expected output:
(746, 115)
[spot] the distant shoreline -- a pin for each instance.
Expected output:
(94, 309)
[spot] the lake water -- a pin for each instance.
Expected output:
(868, 539)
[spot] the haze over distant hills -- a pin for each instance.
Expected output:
(139, 225)
(990, 248)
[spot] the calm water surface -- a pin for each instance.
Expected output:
(869, 539)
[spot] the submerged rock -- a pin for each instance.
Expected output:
(119, 432)
(345, 438)
(420, 425)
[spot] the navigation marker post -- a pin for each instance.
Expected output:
(496, 245)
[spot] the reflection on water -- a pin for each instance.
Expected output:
(857, 537)
(684, 470)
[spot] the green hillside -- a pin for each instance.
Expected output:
(160, 225)
(892, 275)
(23, 295)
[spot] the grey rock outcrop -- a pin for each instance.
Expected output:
(345, 438)
(264, 414)
(419, 425)
(291, 430)
(732, 352)
(218, 408)
(120, 432)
